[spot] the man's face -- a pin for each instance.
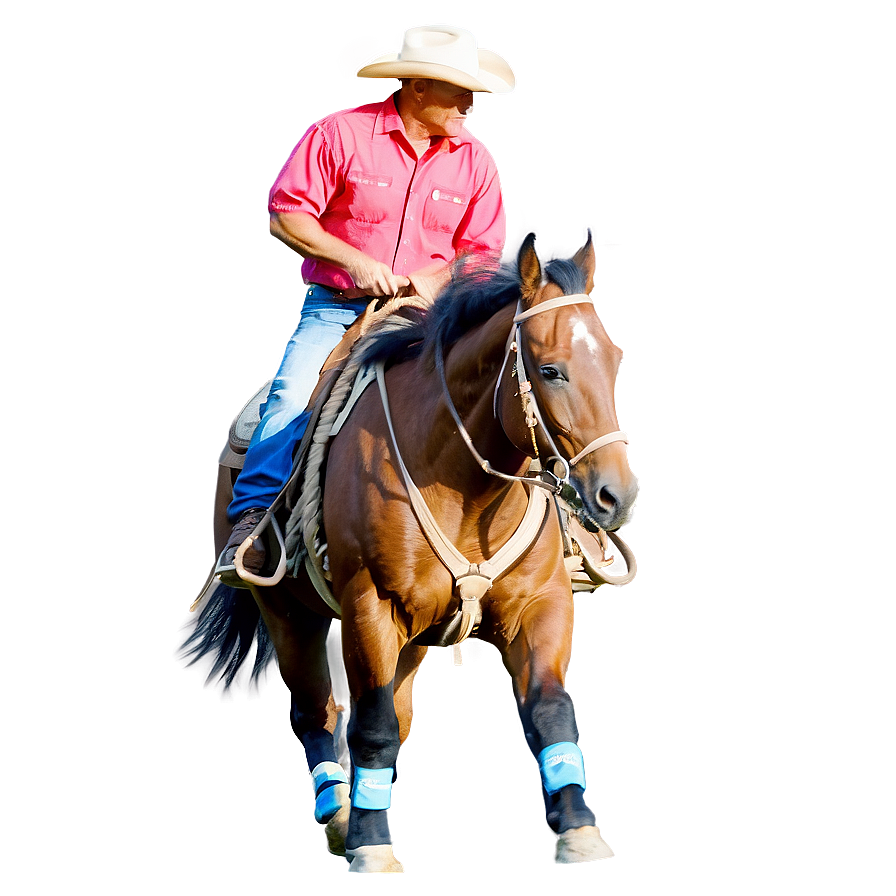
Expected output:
(444, 108)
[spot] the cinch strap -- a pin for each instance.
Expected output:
(372, 788)
(561, 765)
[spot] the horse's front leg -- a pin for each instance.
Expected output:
(380, 666)
(537, 660)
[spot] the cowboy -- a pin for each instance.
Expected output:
(379, 201)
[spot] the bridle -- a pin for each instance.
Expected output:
(547, 477)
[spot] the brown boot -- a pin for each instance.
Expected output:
(253, 557)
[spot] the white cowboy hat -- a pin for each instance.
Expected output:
(447, 54)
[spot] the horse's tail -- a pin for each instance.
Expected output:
(227, 626)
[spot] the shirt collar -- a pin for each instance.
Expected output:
(389, 121)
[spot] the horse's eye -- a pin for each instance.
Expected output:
(550, 373)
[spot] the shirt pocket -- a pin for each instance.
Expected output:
(369, 196)
(444, 209)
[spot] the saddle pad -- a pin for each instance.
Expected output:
(247, 420)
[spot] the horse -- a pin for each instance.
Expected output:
(511, 365)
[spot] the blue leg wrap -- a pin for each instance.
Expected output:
(330, 790)
(372, 788)
(561, 765)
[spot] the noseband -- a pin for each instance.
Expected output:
(530, 405)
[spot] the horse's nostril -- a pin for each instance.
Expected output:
(606, 498)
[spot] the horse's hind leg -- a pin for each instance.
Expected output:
(315, 718)
(537, 660)
(299, 637)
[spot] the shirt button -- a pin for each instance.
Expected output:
(435, 195)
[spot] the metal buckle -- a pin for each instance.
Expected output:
(561, 480)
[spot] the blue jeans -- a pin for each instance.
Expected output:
(324, 320)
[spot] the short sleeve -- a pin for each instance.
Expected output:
(309, 179)
(482, 230)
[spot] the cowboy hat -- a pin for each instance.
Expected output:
(447, 54)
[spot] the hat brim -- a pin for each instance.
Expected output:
(494, 75)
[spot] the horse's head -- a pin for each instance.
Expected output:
(571, 365)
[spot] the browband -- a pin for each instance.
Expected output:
(550, 304)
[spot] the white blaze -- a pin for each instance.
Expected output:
(580, 334)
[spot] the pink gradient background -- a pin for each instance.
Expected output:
(735, 703)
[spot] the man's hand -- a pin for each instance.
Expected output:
(429, 281)
(374, 277)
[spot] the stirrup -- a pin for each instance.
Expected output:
(237, 576)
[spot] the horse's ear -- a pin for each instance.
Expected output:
(529, 268)
(584, 260)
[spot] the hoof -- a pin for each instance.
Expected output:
(581, 845)
(367, 859)
(337, 830)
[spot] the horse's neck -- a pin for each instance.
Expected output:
(476, 357)
(472, 368)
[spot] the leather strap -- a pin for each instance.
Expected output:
(551, 304)
(617, 436)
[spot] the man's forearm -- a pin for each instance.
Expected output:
(302, 232)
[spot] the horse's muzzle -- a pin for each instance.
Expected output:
(606, 501)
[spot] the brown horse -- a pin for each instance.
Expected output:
(461, 361)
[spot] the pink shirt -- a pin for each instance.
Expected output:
(356, 172)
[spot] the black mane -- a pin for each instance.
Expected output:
(471, 298)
